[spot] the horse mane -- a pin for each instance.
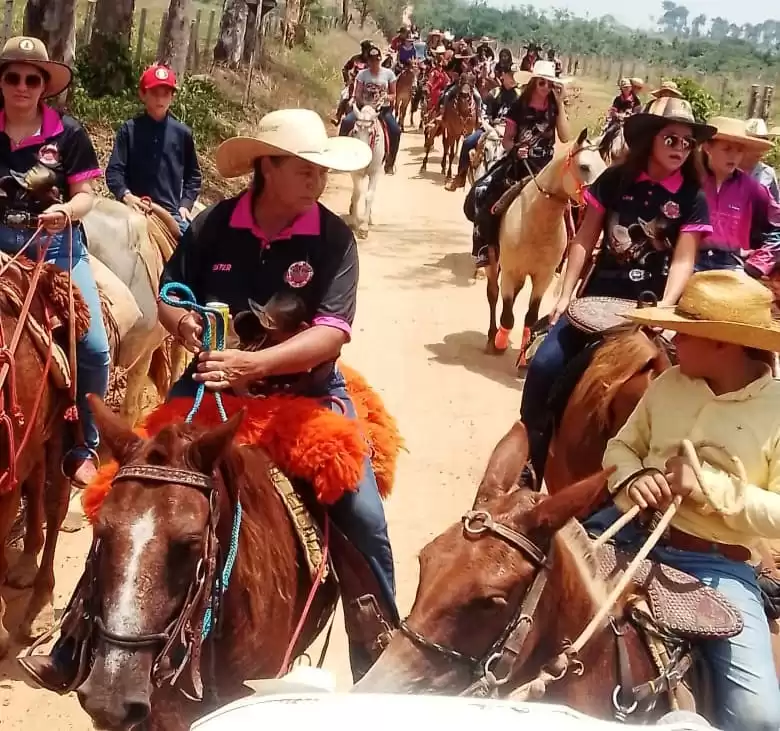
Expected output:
(621, 355)
(578, 562)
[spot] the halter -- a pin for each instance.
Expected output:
(493, 668)
(578, 199)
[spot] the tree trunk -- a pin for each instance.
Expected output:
(232, 31)
(250, 38)
(345, 14)
(54, 22)
(176, 37)
(109, 47)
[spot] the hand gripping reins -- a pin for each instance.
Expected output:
(567, 658)
(184, 298)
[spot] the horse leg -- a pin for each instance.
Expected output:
(445, 141)
(136, 383)
(491, 274)
(509, 291)
(353, 203)
(9, 505)
(39, 616)
(22, 574)
(363, 207)
(531, 317)
(373, 180)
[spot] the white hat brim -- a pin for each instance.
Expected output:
(236, 157)
(555, 79)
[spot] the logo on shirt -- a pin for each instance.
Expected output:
(671, 210)
(221, 267)
(49, 155)
(299, 274)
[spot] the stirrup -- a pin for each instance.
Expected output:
(91, 454)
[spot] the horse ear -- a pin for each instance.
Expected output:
(208, 448)
(576, 501)
(583, 138)
(120, 439)
(505, 464)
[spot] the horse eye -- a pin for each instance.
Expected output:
(584, 167)
(489, 603)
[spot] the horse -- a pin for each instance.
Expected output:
(405, 90)
(505, 592)
(368, 128)
(533, 238)
(488, 151)
(32, 413)
(612, 144)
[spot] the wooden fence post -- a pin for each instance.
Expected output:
(191, 47)
(210, 31)
(766, 102)
(724, 89)
(89, 19)
(161, 39)
(8, 19)
(752, 106)
(139, 49)
(196, 41)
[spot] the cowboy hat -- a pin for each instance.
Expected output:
(667, 88)
(756, 127)
(32, 51)
(440, 49)
(291, 133)
(730, 129)
(625, 83)
(721, 305)
(637, 83)
(434, 32)
(485, 39)
(546, 70)
(660, 113)
(448, 36)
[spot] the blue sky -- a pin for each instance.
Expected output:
(639, 13)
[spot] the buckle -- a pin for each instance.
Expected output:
(637, 275)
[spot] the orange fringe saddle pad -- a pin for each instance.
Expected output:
(304, 438)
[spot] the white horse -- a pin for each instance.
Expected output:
(368, 128)
(489, 150)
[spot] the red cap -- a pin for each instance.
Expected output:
(156, 76)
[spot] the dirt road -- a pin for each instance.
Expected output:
(419, 339)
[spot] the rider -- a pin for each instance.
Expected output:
(351, 68)
(557, 61)
(500, 100)
(484, 50)
(743, 213)
(154, 154)
(668, 89)
(505, 62)
(624, 104)
(721, 393)
(752, 162)
(375, 86)
(531, 57)
(35, 134)
(406, 52)
(653, 214)
(400, 39)
(433, 41)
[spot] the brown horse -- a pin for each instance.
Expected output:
(31, 446)
(405, 88)
(504, 593)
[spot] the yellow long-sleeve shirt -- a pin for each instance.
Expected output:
(745, 423)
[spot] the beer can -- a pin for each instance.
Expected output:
(219, 323)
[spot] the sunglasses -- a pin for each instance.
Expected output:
(543, 83)
(32, 81)
(686, 144)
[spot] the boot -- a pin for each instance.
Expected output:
(58, 671)
(533, 473)
(459, 181)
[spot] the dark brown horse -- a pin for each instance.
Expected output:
(31, 436)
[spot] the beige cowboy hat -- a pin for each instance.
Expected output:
(434, 32)
(667, 88)
(32, 51)
(736, 130)
(625, 83)
(295, 133)
(546, 70)
(637, 83)
(440, 49)
(662, 112)
(757, 127)
(722, 305)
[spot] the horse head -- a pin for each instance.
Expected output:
(583, 165)
(366, 119)
(151, 571)
(481, 577)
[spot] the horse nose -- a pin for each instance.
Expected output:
(110, 710)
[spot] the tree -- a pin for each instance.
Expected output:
(232, 31)
(364, 8)
(54, 22)
(719, 29)
(697, 24)
(175, 37)
(109, 47)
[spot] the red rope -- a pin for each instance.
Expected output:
(309, 601)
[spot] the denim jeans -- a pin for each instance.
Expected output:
(183, 223)
(393, 131)
(708, 260)
(93, 352)
(745, 683)
(560, 345)
(360, 514)
(469, 144)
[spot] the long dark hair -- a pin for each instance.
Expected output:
(528, 92)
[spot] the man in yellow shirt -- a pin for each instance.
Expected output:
(723, 398)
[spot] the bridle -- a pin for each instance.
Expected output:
(494, 667)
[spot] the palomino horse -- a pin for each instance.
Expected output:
(32, 413)
(503, 594)
(368, 128)
(459, 119)
(533, 237)
(405, 89)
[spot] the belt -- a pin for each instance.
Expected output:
(675, 538)
(19, 219)
(635, 275)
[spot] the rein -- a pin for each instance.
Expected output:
(578, 198)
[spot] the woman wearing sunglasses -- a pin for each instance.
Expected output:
(652, 213)
(33, 135)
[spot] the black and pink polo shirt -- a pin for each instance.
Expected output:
(62, 145)
(225, 257)
(642, 222)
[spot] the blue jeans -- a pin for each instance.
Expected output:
(708, 260)
(93, 352)
(560, 345)
(183, 224)
(745, 683)
(469, 144)
(393, 132)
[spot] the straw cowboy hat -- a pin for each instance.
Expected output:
(292, 133)
(722, 305)
(667, 88)
(664, 111)
(624, 83)
(32, 51)
(546, 70)
(757, 127)
(434, 32)
(637, 83)
(736, 130)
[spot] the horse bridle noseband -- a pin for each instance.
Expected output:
(494, 667)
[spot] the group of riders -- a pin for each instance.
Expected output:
(688, 197)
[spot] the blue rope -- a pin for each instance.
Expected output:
(185, 299)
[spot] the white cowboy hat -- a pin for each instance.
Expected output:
(757, 127)
(546, 70)
(667, 88)
(434, 32)
(448, 36)
(440, 49)
(637, 83)
(292, 132)
(32, 51)
(722, 305)
(736, 130)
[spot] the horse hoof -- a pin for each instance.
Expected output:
(490, 347)
(362, 233)
(37, 624)
(74, 522)
(22, 574)
(522, 362)
(502, 339)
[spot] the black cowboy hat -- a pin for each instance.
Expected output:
(664, 111)
(366, 43)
